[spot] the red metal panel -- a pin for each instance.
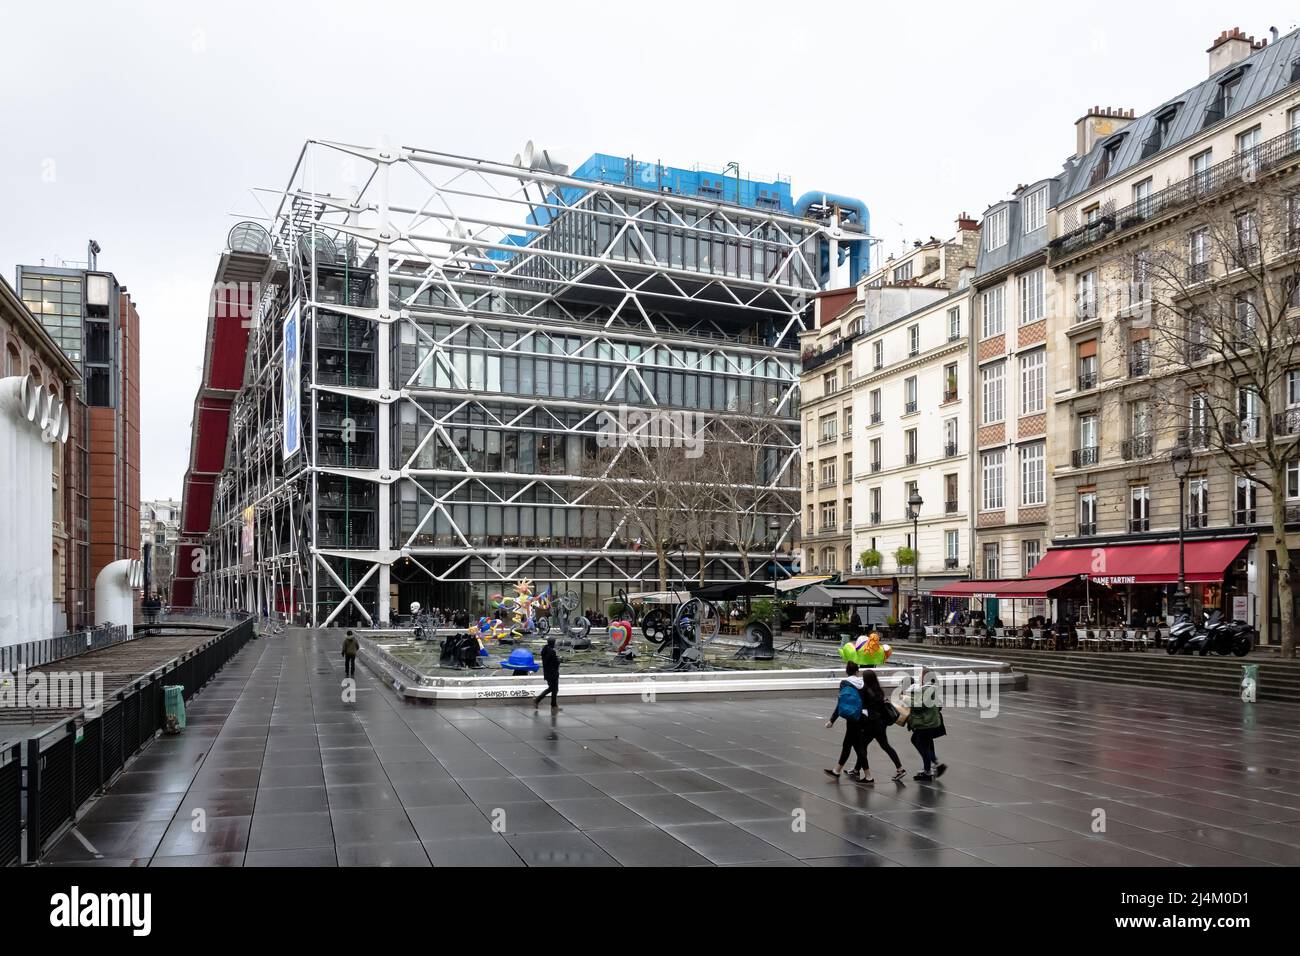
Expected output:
(1004, 588)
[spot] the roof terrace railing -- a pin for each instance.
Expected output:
(1242, 167)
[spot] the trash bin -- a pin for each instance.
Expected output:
(1249, 682)
(174, 702)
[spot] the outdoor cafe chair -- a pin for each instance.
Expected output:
(1036, 637)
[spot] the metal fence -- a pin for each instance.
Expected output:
(11, 804)
(69, 764)
(51, 649)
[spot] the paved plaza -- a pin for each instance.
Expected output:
(285, 773)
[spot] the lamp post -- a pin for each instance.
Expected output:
(914, 503)
(1181, 459)
(774, 617)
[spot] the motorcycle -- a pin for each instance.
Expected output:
(1214, 634)
(1181, 634)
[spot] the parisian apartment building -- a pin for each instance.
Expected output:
(882, 368)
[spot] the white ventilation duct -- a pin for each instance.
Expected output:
(114, 592)
(31, 421)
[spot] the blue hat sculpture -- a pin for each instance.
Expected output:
(521, 659)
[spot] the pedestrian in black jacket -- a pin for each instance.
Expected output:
(550, 671)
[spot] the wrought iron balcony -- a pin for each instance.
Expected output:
(950, 563)
(1198, 271)
(1139, 365)
(1087, 381)
(909, 408)
(875, 517)
(1287, 422)
(1198, 437)
(1138, 525)
(1243, 516)
(950, 450)
(1221, 177)
(875, 418)
(1198, 519)
(1241, 431)
(950, 395)
(828, 483)
(950, 507)
(1082, 457)
(909, 458)
(1138, 446)
(875, 466)
(1087, 529)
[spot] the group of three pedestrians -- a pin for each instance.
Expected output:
(867, 715)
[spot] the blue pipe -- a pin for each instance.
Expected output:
(860, 262)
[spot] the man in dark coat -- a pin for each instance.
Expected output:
(350, 647)
(550, 671)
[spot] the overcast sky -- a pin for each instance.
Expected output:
(145, 125)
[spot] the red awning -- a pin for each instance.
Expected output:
(1026, 589)
(1205, 562)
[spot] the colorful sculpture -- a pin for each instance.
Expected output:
(620, 635)
(524, 610)
(866, 651)
(521, 662)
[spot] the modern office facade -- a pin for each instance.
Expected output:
(1223, 151)
(94, 320)
(461, 334)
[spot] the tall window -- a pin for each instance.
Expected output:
(1087, 512)
(1244, 511)
(954, 324)
(1247, 414)
(1034, 210)
(992, 562)
(909, 394)
(951, 548)
(950, 499)
(1032, 382)
(1030, 552)
(992, 390)
(827, 426)
(991, 466)
(910, 445)
(904, 272)
(1200, 169)
(949, 437)
(991, 305)
(995, 229)
(1031, 297)
(1139, 514)
(1198, 500)
(913, 339)
(878, 354)
(1198, 420)
(1033, 473)
(950, 382)
(1142, 196)
(828, 516)
(875, 454)
(874, 498)
(1085, 295)
(830, 383)
(875, 405)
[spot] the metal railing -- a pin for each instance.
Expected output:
(950, 450)
(1197, 519)
(950, 507)
(51, 649)
(875, 466)
(1287, 422)
(1139, 446)
(68, 765)
(909, 408)
(875, 418)
(1138, 525)
(1229, 174)
(1087, 381)
(1081, 457)
(1139, 365)
(1087, 528)
(11, 804)
(909, 458)
(875, 517)
(950, 563)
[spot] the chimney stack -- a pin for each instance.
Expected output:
(1232, 46)
(1098, 123)
(966, 224)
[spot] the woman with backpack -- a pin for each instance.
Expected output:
(877, 714)
(925, 721)
(849, 706)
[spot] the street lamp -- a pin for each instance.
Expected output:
(774, 616)
(1181, 459)
(914, 503)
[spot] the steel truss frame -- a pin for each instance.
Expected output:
(528, 261)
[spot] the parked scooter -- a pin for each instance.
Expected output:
(1182, 633)
(1214, 634)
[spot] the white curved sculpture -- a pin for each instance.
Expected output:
(31, 421)
(114, 600)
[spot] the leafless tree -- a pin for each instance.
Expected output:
(1208, 310)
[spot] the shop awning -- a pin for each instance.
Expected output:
(1025, 589)
(1205, 562)
(801, 581)
(820, 595)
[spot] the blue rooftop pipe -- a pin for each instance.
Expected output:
(860, 251)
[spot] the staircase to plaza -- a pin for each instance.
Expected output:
(1279, 680)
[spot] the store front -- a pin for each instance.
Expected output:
(1141, 579)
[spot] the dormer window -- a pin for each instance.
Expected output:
(1159, 138)
(1106, 162)
(1224, 98)
(995, 229)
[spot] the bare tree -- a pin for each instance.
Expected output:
(1207, 309)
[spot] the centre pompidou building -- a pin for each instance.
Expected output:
(431, 345)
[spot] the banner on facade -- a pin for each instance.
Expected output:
(292, 379)
(246, 541)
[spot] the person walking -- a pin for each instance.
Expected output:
(550, 671)
(926, 724)
(849, 706)
(350, 647)
(877, 714)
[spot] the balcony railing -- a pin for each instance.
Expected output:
(1087, 381)
(875, 466)
(875, 517)
(909, 408)
(1139, 365)
(950, 563)
(848, 477)
(909, 458)
(875, 418)
(950, 395)
(1241, 431)
(1137, 447)
(950, 507)
(1082, 457)
(1220, 177)
(1287, 422)
(1198, 519)
(1198, 271)
(1198, 437)
(1087, 528)
(950, 450)
(1138, 525)
(828, 483)
(1243, 516)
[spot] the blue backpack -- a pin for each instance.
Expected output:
(850, 702)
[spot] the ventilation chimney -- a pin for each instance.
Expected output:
(1098, 123)
(1232, 46)
(966, 224)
